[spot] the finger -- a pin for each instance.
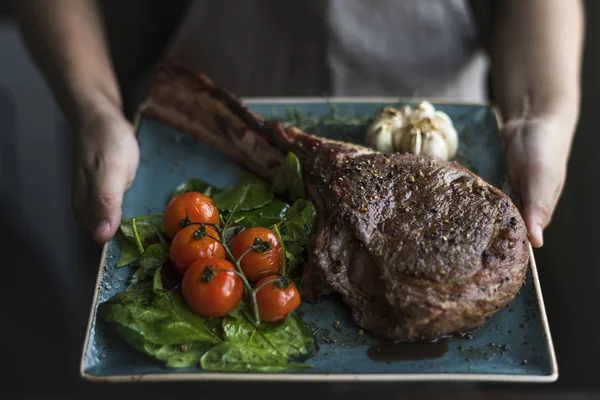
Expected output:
(80, 198)
(540, 187)
(106, 198)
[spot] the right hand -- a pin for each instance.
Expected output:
(105, 160)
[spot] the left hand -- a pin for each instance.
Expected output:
(537, 151)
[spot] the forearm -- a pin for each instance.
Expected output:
(65, 38)
(536, 59)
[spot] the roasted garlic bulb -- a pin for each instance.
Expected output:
(422, 131)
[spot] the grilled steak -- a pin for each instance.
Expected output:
(418, 248)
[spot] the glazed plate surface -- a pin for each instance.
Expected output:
(514, 345)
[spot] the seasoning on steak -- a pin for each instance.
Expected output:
(418, 248)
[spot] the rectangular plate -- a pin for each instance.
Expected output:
(514, 345)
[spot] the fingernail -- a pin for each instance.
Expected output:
(538, 231)
(103, 228)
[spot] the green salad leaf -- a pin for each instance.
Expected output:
(180, 356)
(174, 356)
(160, 317)
(298, 223)
(249, 193)
(238, 357)
(268, 215)
(290, 339)
(154, 257)
(157, 280)
(147, 229)
(288, 180)
(129, 253)
(195, 185)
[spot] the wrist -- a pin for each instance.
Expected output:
(558, 109)
(94, 107)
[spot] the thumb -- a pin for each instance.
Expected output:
(106, 199)
(540, 187)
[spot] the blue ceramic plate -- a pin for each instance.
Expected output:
(514, 345)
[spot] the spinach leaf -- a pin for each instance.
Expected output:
(299, 222)
(158, 317)
(237, 327)
(268, 215)
(249, 193)
(240, 357)
(157, 280)
(129, 253)
(194, 185)
(181, 356)
(154, 257)
(293, 261)
(147, 229)
(290, 339)
(288, 180)
(174, 355)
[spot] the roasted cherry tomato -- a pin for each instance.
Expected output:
(193, 243)
(276, 297)
(188, 207)
(264, 258)
(209, 289)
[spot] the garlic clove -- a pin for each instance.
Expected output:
(416, 143)
(381, 131)
(434, 146)
(424, 110)
(451, 141)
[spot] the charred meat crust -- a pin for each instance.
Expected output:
(418, 248)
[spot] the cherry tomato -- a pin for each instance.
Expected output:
(193, 243)
(266, 256)
(210, 292)
(193, 205)
(276, 298)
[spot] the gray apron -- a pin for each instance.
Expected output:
(403, 48)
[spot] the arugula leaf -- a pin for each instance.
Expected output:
(268, 215)
(299, 222)
(194, 185)
(288, 180)
(160, 318)
(239, 357)
(249, 193)
(129, 253)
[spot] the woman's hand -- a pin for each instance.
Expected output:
(537, 151)
(105, 160)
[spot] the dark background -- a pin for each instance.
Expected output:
(49, 266)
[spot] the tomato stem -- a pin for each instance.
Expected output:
(256, 289)
(136, 236)
(236, 263)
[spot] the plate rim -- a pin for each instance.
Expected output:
(329, 377)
